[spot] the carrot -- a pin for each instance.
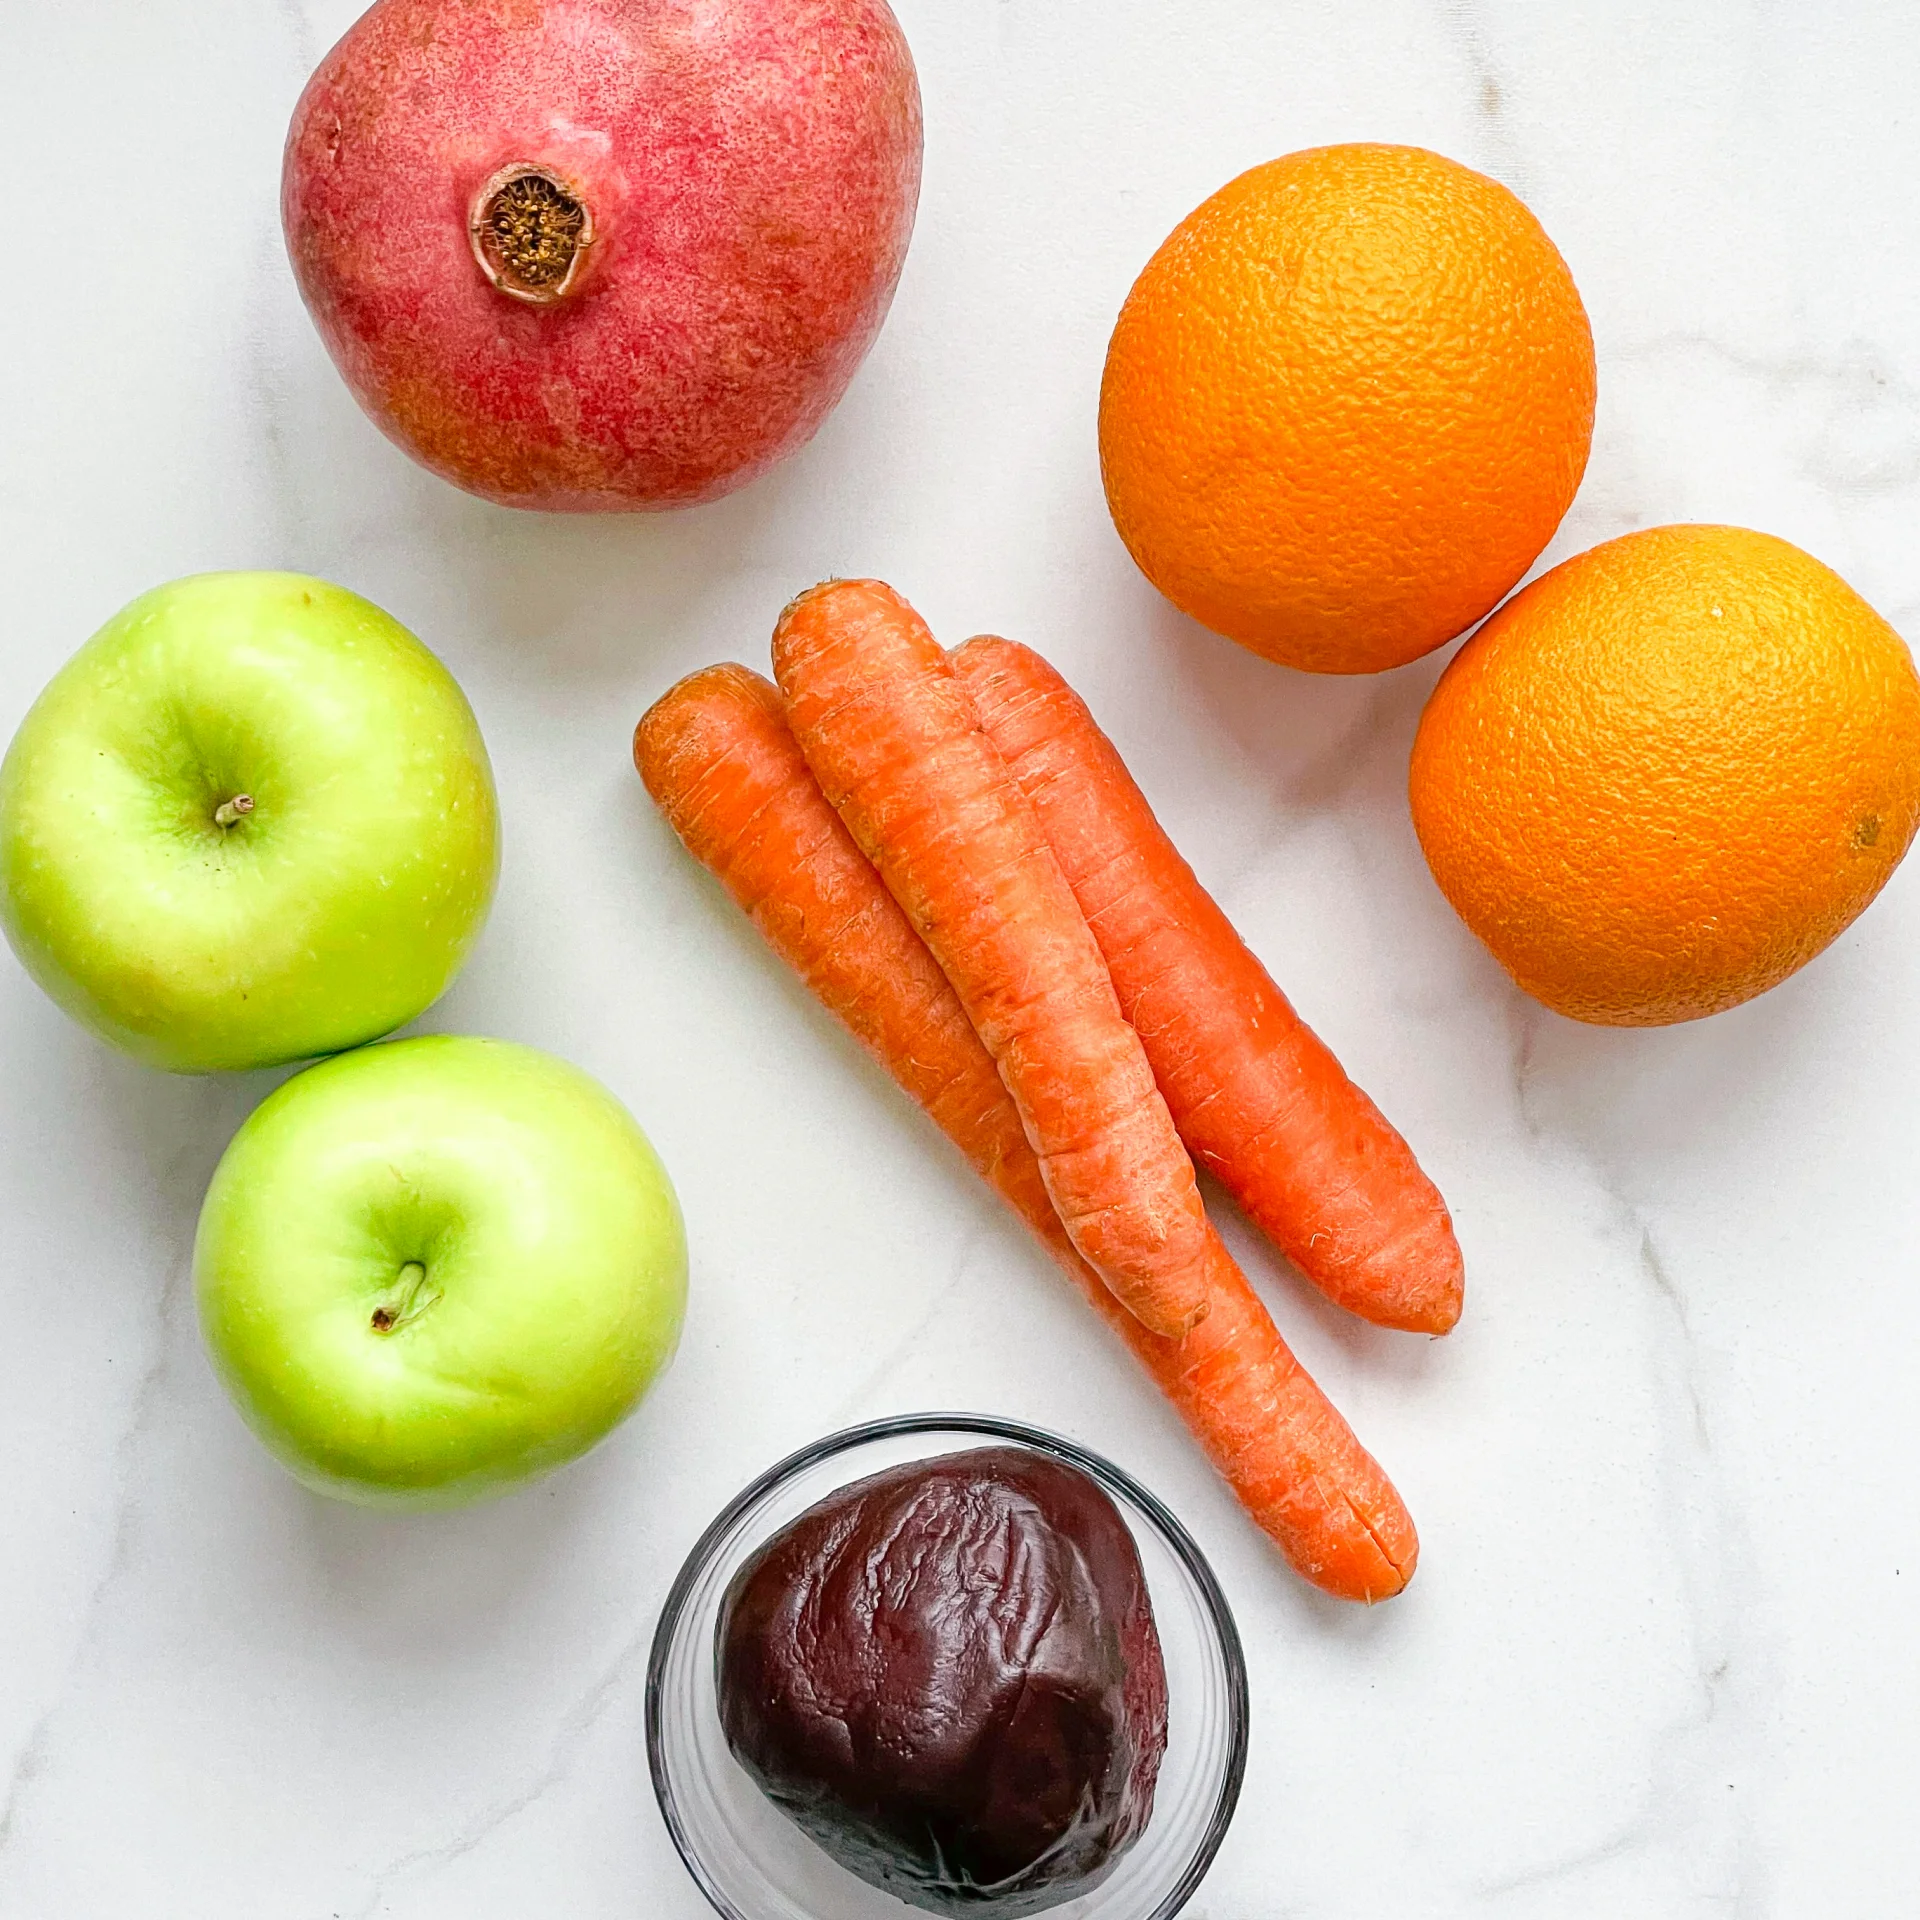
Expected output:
(718, 758)
(1258, 1098)
(892, 739)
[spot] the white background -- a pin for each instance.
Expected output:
(1660, 1659)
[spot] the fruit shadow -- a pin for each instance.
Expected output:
(174, 1126)
(1627, 1098)
(1312, 742)
(469, 1582)
(146, 1144)
(570, 610)
(597, 603)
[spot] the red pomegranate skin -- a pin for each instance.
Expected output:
(750, 169)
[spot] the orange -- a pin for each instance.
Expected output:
(1346, 405)
(1669, 773)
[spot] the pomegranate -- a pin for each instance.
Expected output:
(604, 255)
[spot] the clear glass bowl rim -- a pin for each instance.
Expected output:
(895, 1426)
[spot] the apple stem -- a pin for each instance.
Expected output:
(410, 1298)
(231, 812)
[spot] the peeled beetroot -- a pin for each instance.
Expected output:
(949, 1676)
(604, 255)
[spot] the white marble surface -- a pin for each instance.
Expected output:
(1660, 1659)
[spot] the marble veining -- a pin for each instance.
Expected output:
(1662, 1657)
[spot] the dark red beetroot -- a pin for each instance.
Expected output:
(949, 1676)
(600, 255)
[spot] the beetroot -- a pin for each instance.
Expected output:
(948, 1674)
(604, 255)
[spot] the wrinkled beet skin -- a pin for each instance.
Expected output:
(752, 167)
(949, 1675)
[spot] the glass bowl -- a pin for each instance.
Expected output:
(753, 1863)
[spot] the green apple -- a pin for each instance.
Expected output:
(432, 1269)
(250, 821)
